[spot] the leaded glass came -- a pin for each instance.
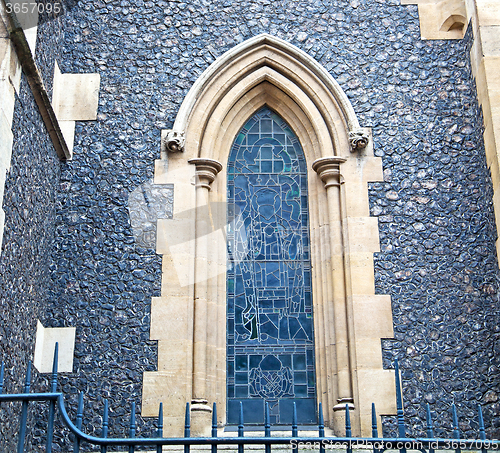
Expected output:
(270, 341)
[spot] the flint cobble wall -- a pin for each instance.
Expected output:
(437, 229)
(29, 205)
(438, 259)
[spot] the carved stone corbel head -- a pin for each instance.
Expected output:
(174, 141)
(358, 139)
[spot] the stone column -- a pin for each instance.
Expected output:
(328, 169)
(206, 171)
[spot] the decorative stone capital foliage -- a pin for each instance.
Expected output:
(174, 141)
(206, 171)
(328, 169)
(358, 139)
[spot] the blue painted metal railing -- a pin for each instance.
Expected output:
(378, 445)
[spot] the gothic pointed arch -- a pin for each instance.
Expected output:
(349, 319)
(267, 58)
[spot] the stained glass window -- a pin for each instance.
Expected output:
(270, 341)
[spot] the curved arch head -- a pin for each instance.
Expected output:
(266, 70)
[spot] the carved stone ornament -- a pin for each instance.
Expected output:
(174, 141)
(358, 139)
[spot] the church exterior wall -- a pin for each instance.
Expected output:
(437, 225)
(29, 203)
(96, 263)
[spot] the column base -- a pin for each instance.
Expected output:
(341, 402)
(201, 418)
(338, 424)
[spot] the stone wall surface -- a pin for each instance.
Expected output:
(29, 205)
(437, 226)
(437, 231)
(438, 258)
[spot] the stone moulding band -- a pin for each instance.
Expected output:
(328, 169)
(206, 171)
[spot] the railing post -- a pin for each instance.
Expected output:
(214, 426)
(267, 427)
(105, 422)
(24, 412)
(399, 403)
(482, 433)
(321, 429)
(456, 430)
(52, 404)
(348, 431)
(78, 424)
(131, 432)
(374, 427)
(159, 431)
(187, 427)
(295, 430)
(374, 422)
(241, 429)
(430, 430)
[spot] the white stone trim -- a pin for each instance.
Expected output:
(75, 97)
(441, 19)
(46, 339)
(10, 79)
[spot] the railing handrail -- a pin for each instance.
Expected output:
(379, 444)
(234, 440)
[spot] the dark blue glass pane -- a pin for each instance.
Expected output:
(269, 296)
(241, 362)
(253, 411)
(300, 377)
(241, 378)
(299, 362)
(241, 391)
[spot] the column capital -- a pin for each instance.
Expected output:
(328, 169)
(206, 170)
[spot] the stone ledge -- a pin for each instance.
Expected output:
(441, 19)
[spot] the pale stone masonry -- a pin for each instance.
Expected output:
(10, 77)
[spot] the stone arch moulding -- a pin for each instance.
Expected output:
(189, 318)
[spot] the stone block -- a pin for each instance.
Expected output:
(68, 131)
(377, 386)
(363, 234)
(356, 201)
(75, 96)
(362, 273)
(6, 140)
(174, 354)
(29, 22)
(488, 12)
(46, 339)
(372, 317)
(490, 40)
(441, 19)
(173, 389)
(170, 318)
